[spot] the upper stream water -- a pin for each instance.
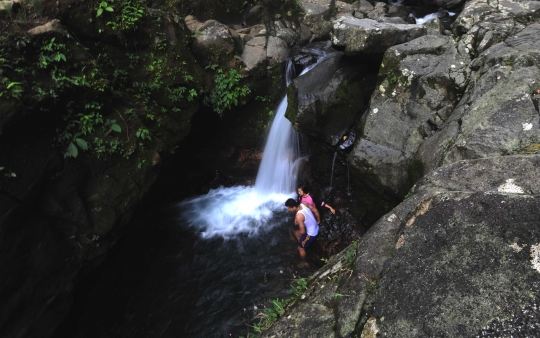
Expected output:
(206, 266)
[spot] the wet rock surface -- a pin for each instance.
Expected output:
(369, 36)
(326, 101)
(418, 86)
(446, 247)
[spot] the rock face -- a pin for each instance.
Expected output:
(325, 102)
(419, 83)
(443, 263)
(60, 211)
(213, 41)
(498, 114)
(358, 36)
(457, 117)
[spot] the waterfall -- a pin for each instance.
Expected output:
(228, 212)
(332, 171)
(277, 173)
(348, 181)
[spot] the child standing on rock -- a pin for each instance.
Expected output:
(304, 197)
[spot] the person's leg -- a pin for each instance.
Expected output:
(302, 253)
(302, 250)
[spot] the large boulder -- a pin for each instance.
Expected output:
(364, 36)
(419, 84)
(477, 11)
(498, 114)
(317, 14)
(277, 51)
(444, 263)
(325, 102)
(50, 28)
(214, 41)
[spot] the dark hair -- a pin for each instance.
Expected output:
(291, 203)
(304, 187)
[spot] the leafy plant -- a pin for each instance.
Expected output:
(74, 145)
(301, 286)
(270, 315)
(129, 14)
(103, 6)
(89, 120)
(227, 92)
(110, 126)
(51, 52)
(143, 134)
(13, 89)
(350, 254)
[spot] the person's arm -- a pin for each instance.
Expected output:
(300, 221)
(314, 211)
(332, 210)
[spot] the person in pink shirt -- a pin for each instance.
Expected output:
(304, 197)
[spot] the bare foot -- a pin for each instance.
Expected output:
(302, 264)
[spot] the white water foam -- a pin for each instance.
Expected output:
(424, 19)
(227, 212)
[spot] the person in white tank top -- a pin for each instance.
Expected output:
(308, 221)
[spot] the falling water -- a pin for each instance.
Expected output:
(424, 19)
(227, 212)
(332, 172)
(348, 181)
(277, 173)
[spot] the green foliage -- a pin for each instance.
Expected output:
(51, 52)
(277, 309)
(301, 286)
(103, 6)
(128, 13)
(90, 119)
(270, 315)
(143, 134)
(75, 143)
(111, 125)
(12, 89)
(227, 92)
(350, 254)
(371, 285)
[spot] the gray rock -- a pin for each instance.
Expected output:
(478, 11)
(443, 263)
(286, 34)
(255, 15)
(399, 11)
(369, 36)
(213, 38)
(458, 265)
(317, 14)
(380, 10)
(363, 6)
(419, 82)
(394, 20)
(259, 41)
(325, 102)
(277, 51)
(434, 27)
(498, 114)
(9, 7)
(192, 23)
(254, 58)
(316, 9)
(344, 8)
(51, 27)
